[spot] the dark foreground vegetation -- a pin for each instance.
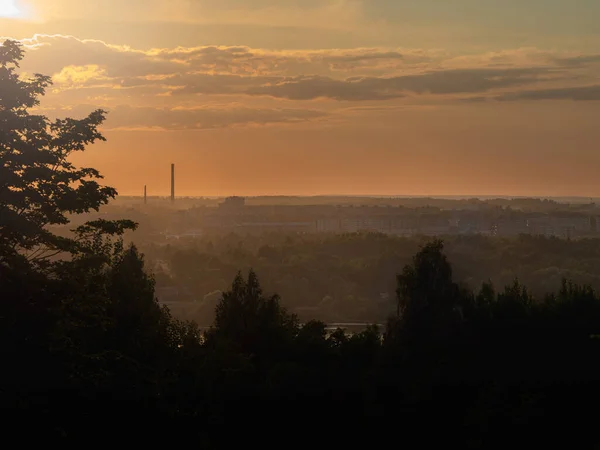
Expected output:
(88, 354)
(90, 351)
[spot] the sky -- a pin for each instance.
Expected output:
(310, 97)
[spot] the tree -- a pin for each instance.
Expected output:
(429, 302)
(39, 186)
(427, 283)
(54, 314)
(254, 323)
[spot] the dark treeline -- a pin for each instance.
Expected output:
(350, 277)
(89, 355)
(481, 370)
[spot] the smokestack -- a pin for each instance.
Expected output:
(172, 182)
(145, 196)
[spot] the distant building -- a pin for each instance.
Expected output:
(400, 225)
(510, 227)
(233, 203)
(562, 227)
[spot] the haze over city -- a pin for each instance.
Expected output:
(326, 97)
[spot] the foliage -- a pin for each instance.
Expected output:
(427, 283)
(252, 323)
(352, 278)
(78, 316)
(39, 185)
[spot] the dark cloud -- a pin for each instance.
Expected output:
(380, 88)
(308, 88)
(216, 84)
(366, 59)
(473, 99)
(368, 55)
(577, 61)
(350, 89)
(372, 61)
(582, 93)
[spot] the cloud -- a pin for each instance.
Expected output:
(207, 84)
(578, 60)
(52, 52)
(80, 75)
(216, 86)
(581, 93)
(309, 88)
(125, 117)
(349, 89)
(371, 88)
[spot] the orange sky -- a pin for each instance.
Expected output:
(327, 96)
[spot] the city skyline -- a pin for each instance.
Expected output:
(330, 97)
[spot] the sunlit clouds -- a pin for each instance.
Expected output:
(327, 93)
(83, 70)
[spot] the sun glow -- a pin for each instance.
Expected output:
(8, 8)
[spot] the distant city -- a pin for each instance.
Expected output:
(192, 217)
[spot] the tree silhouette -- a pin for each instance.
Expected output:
(58, 313)
(426, 285)
(428, 313)
(39, 186)
(253, 323)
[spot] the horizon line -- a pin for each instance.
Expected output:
(373, 196)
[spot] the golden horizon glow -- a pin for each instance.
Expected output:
(369, 97)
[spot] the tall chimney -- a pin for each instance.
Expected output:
(172, 182)
(145, 196)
